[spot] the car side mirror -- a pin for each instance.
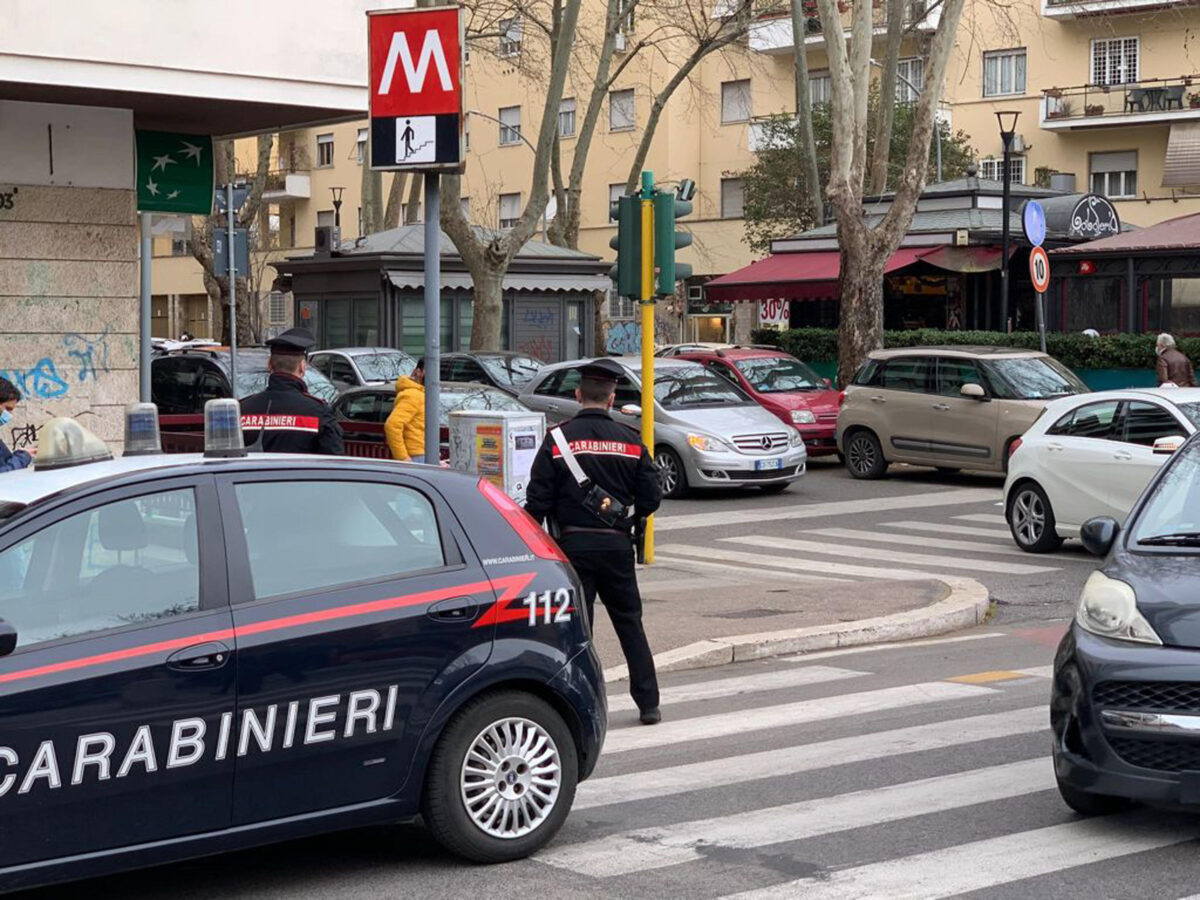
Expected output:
(974, 391)
(1099, 534)
(8, 638)
(1168, 445)
(631, 409)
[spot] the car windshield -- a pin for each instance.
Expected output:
(511, 370)
(1192, 411)
(778, 374)
(384, 365)
(1171, 516)
(1032, 378)
(254, 381)
(483, 398)
(678, 387)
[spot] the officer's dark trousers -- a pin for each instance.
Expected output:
(607, 569)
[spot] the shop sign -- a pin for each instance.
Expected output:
(774, 313)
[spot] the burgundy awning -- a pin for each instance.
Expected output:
(965, 259)
(795, 276)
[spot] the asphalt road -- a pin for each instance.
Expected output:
(915, 770)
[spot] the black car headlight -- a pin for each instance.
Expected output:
(1108, 608)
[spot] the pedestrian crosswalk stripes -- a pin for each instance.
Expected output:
(729, 687)
(874, 553)
(647, 576)
(984, 518)
(952, 528)
(803, 566)
(653, 848)
(808, 757)
(912, 540)
(988, 863)
(635, 737)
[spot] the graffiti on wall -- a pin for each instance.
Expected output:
(40, 381)
(24, 436)
(88, 353)
(623, 338)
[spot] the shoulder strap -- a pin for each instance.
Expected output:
(560, 441)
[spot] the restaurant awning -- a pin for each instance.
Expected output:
(412, 279)
(795, 276)
(965, 259)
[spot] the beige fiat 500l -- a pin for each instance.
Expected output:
(948, 407)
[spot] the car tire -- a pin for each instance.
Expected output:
(864, 455)
(1088, 804)
(1031, 519)
(488, 725)
(671, 473)
(775, 488)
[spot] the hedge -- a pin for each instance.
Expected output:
(1077, 351)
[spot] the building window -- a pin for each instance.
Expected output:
(1115, 60)
(181, 246)
(1003, 73)
(566, 118)
(277, 308)
(510, 210)
(621, 115)
(510, 125)
(735, 101)
(911, 74)
(510, 37)
(993, 169)
(324, 150)
(325, 218)
(620, 307)
(1114, 175)
(819, 88)
(360, 148)
(732, 198)
(615, 193)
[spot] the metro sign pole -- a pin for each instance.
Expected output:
(416, 110)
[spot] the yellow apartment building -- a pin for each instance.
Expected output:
(1107, 90)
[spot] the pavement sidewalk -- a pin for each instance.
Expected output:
(699, 614)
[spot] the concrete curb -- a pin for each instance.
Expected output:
(965, 606)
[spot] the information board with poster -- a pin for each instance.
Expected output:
(498, 445)
(774, 313)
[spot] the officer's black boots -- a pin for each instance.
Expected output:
(651, 716)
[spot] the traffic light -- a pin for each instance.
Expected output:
(627, 271)
(667, 208)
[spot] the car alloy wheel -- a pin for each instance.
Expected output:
(1028, 517)
(511, 777)
(862, 454)
(668, 472)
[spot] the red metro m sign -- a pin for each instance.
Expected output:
(416, 72)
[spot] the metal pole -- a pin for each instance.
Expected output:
(433, 317)
(647, 304)
(144, 346)
(1041, 319)
(231, 221)
(1004, 234)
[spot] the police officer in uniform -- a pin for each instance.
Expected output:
(289, 418)
(598, 544)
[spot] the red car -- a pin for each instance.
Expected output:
(785, 386)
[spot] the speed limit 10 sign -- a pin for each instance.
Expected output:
(1039, 269)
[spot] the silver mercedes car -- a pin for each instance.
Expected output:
(707, 432)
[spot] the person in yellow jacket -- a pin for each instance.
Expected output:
(405, 426)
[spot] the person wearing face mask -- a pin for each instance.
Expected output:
(10, 460)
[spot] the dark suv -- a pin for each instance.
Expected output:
(182, 381)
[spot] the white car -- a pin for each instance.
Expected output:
(1092, 455)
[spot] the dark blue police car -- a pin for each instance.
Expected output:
(201, 654)
(1126, 699)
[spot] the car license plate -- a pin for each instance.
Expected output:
(761, 464)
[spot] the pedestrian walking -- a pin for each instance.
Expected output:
(405, 425)
(289, 418)
(10, 460)
(592, 479)
(1173, 366)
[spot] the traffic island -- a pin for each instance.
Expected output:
(696, 615)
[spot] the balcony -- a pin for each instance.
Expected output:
(281, 186)
(773, 34)
(1073, 9)
(1148, 102)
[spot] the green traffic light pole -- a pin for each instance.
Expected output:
(646, 298)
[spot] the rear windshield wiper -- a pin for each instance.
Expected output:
(1179, 539)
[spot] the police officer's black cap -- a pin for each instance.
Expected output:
(293, 342)
(602, 370)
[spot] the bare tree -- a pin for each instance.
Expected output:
(487, 255)
(877, 178)
(808, 146)
(865, 250)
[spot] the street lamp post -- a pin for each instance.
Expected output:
(1008, 130)
(524, 140)
(337, 205)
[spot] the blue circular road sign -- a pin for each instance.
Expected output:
(1033, 221)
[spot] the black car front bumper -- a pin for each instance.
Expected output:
(1126, 719)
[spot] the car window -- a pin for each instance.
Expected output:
(549, 384)
(384, 365)
(953, 373)
(511, 370)
(715, 365)
(320, 362)
(131, 561)
(469, 370)
(370, 531)
(692, 385)
(1032, 378)
(870, 375)
(173, 385)
(1092, 420)
(362, 408)
(254, 381)
(907, 373)
(1147, 422)
(211, 385)
(341, 372)
(1191, 410)
(482, 398)
(1173, 506)
(568, 385)
(778, 374)
(627, 393)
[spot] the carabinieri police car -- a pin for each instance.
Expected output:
(203, 653)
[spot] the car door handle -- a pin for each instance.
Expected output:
(211, 655)
(457, 609)
(1122, 454)
(1055, 448)
(878, 399)
(941, 407)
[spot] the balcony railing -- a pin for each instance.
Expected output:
(1148, 100)
(1071, 9)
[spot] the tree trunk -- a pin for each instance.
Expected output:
(412, 211)
(877, 180)
(489, 306)
(395, 200)
(860, 307)
(811, 195)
